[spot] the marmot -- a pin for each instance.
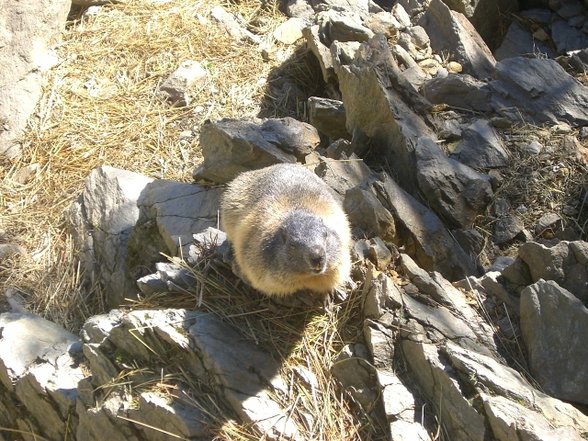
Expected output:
(287, 230)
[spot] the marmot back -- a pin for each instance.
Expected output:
(287, 230)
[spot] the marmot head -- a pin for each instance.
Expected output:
(303, 244)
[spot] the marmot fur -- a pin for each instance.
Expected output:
(287, 230)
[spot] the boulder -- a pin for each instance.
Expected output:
(177, 87)
(101, 221)
(456, 192)
(481, 147)
(539, 89)
(458, 90)
(422, 233)
(554, 324)
(520, 41)
(328, 116)
(452, 33)
(232, 146)
(29, 30)
(380, 104)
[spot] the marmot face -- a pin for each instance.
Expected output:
(304, 244)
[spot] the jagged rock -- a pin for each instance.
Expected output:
(485, 15)
(507, 228)
(366, 212)
(554, 324)
(231, 24)
(458, 90)
(328, 116)
(37, 364)
(424, 235)
(232, 146)
(379, 253)
(169, 277)
(101, 221)
(379, 342)
(567, 38)
(29, 29)
(336, 26)
(451, 32)
(408, 431)
(343, 175)
(177, 86)
(565, 263)
(382, 23)
(356, 375)
(455, 191)
(299, 8)
(240, 372)
(379, 103)
(481, 147)
(170, 213)
(520, 41)
(541, 90)
(321, 52)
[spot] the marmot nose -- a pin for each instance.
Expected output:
(317, 260)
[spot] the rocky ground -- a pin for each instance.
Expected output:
(456, 140)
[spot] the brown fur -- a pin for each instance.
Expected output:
(254, 213)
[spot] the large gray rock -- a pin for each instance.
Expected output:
(540, 90)
(455, 191)
(424, 236)
(487, 16)
(481, 147)
(101, 221)
(366, 212)
(328, 116)
(566, 263)
(38, 367)
(554, 325)
(520, 41)
(170, 213)
(29, 29)
(232, 146)
(380, 104)
(451, 32)
(461, 91)
(568, 38)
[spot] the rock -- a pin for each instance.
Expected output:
(168, 278)
(336, 26)
(231, 24)
(519, 41)
(533, 148)
(451, 32)
(328, 116)
(401, 16)
(485, 15)
(563, 263)
(101, 221)
(567, 38)
(8, 250)
(382, 23)
(553, 324)
(460, 91)
(366, 212)
(356, 376)
(425, 237)
(408, 431)
(170, 213)
(299, 8)
(541, 90)
(456, 192)
(379, 253)
(549, 221)
(321, 52)
(232, 146)
(29, 30)
(38, 367)
(382, 295)
(343, 175)
(290, 31)
(481, 147)
(177, 86)
(507, 228)
(379, 103)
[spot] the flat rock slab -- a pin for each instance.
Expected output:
(232, 146)
(29, 29)
(554, 325)
(451, 32)
(540, 89)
